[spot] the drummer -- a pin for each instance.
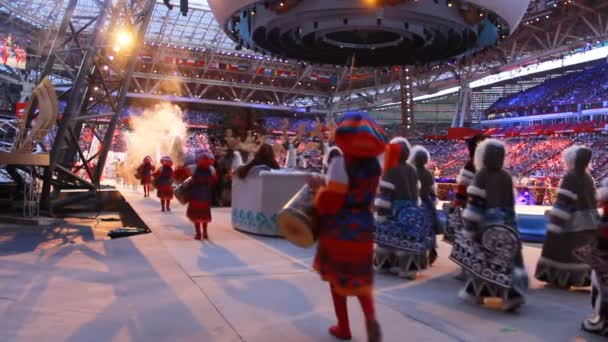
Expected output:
(199, 193)
(343, 201)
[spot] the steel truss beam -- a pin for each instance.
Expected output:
(84, 134)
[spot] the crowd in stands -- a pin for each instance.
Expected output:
(527, 156)
(585, 87)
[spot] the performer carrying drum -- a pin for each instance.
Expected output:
(404, 233)
(346, 224)
(489, 247)
(144, 174)
(163, 178)
(199, 193)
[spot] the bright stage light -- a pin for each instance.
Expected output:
(123, 39)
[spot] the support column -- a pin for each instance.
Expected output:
(407, 98)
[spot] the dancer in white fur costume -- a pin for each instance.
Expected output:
(404, 235)
(489, 248)
(595, 255)
(573, 221)
(419, 158)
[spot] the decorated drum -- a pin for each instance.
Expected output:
(182, 191)
(492, 258)
(454, 222)
(297, 220)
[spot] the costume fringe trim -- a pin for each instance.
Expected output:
(381, 203)
(476, 289)
(560, 213)
(563, 275)
(465, 177)
(471, 215)
(476, 191)
(387, 185)
(398, 262)
(567, 193)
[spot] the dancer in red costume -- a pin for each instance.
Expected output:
(164, 183)
(346, 238)
(200, 193)
(145, 171)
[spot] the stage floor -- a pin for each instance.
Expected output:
(165, 286)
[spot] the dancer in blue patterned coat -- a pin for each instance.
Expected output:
(404, 235)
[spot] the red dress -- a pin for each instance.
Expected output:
(345, 250)
(145, 171)
(164, 183)
(200, 195)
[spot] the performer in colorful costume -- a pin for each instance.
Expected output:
(200, 193)
(573, 221)
(595, 255)
(404, 233)
(164, 183)
(144, 172)
(489, 247)
(419, 158)
(346, 224)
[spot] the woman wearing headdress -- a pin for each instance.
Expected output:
(144, 172)
(164, 183)
(200, 193)
(595, 255)
(346, 225)
(419, 158)
(573, 220)
(490, 241)
(404, 234)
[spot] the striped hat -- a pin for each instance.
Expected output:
(358, 135)
(204, 158)
(166, 160)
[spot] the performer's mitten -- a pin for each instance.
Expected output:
(330, 198)
(602, 196)
(464, 179)
(473, 214)
(383, 201)
(561, 211)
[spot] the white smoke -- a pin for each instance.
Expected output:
(159, 131)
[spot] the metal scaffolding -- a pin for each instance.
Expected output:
(96, 78)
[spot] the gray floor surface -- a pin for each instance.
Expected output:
(66, 284)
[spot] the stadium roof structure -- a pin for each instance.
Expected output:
(550, 29)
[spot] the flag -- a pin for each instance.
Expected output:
(324, 78)
(233, 67)
(313, 77)
(214, 65)
(200, 62)
(222, 66)
(190, 61)
(145, 58)
(243, 67)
